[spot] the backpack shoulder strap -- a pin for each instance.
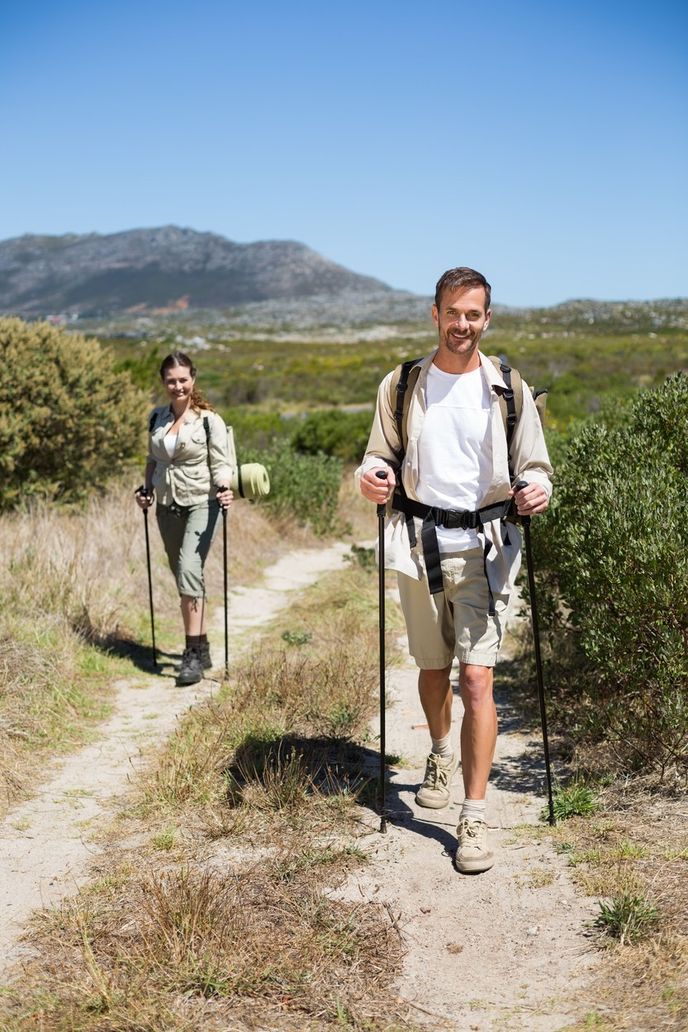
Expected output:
(151, 420)
(206, 427)
(403, 377)
(510, 400)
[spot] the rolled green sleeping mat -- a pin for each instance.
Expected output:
(251, 481)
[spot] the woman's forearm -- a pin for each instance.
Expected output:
(148, 475)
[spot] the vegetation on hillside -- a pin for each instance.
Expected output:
(68, 420)
(613, 554)
(277, 760)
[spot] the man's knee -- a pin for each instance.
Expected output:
(476, 686)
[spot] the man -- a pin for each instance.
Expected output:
(454, 602)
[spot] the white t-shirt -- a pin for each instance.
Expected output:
(454, 449)
(170, 441)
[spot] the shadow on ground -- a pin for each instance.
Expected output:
(139, 655)
(288, 766)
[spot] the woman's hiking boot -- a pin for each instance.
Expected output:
(206, 661)
(435, 791)
(191, 669)
(473, 854)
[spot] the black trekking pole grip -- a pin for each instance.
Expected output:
(381, 509)
(538, 656)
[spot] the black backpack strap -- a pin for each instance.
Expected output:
(401, 403)
(510, 401)
(151, 421)
(508, 395)
(206, 427)
(511, 414)
(434, 517)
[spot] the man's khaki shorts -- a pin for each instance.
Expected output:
(454, 622)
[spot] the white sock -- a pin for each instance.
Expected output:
(442, 747)
(474, 809)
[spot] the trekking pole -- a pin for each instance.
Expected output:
(538, 657)
(224, 565)
(150, 587)
(381, 509)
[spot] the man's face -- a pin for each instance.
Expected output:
(461, 319)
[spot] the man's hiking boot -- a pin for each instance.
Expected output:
(473, 854)
(191, 669)
(435, 791)
(206, 661)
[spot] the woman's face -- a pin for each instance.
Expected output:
(178, 382)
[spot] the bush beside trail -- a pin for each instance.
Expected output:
(302, 487)
(68, 419)
(613, 553)
(334, 432)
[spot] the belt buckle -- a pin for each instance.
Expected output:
(175, 510)
(455, 519)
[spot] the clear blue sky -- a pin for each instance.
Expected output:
(543, 143)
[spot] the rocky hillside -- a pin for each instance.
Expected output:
(159, 271)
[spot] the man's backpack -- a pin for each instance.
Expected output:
(510, 400)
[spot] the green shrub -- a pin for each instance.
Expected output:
(575, 800)
(255, 430)
(143, 369)
(627, 918)
(613, 553)
(68, 420)
(333, 432)
(305, 487)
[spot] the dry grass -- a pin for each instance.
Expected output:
(633, 855)
(257, 946)
(223, 918)
(74, 613)
(289, 731)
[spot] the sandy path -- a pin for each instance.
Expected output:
(504, 950)
(44, 843)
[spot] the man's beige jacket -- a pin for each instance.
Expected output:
(530, 460)
(198, 466)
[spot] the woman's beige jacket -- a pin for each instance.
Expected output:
(199, 465)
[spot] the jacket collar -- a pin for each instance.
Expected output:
(191, 416)
(490, 371)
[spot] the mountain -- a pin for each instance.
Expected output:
(162, 270)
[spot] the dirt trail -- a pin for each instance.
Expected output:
(504, 950)
(44, 843)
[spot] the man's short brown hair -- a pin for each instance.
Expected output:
(462, 277)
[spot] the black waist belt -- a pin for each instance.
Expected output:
(452, 519)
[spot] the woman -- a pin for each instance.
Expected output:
(190, 463)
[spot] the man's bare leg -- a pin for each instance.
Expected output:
(478, 740)
(436, 699)
(479, 728)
